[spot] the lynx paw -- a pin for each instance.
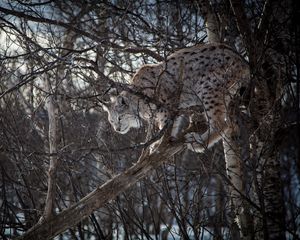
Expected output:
(154, 146)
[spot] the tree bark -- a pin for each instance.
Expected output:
(211, 21)
(274, 205)
(52, 136)
(52, 109)
(234, 170)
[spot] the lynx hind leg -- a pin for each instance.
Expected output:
(151, 130)
(154, 146)
(215, 115)
(200, 142)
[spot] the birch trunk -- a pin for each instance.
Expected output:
(211, 21)
(234, 170)
(52, 106)
(231, 143)
(52, 136)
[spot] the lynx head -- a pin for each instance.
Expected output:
(122, 111)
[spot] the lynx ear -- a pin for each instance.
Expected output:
(113, 93)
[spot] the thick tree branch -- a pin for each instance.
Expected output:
(103, 194)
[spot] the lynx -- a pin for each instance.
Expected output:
(203, 76)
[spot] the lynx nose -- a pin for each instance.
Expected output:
(118, 129)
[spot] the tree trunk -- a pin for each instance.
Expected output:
(262, 106)
(274, 207)
(52, 136)
(231, 143)
(211, 21)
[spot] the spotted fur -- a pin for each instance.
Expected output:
(206, 76)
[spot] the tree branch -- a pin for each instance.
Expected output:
(244, 27)
(81, 32)
(105, 193)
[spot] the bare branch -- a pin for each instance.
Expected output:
(81, 32)
(244, 26)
